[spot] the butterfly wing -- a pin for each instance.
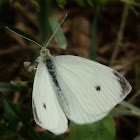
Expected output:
(46, 109)
(91, 89)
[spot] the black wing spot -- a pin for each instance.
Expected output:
(98, 88)
(123, 83)
(35, 113)
(44, 105)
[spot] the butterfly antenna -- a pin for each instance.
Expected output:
(55, 31)
(23, 36)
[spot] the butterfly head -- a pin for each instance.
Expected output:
(45, 52)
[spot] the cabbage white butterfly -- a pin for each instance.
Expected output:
(76, 88)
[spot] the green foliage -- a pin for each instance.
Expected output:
(8, 113)
(132, 5)
(101, 130)
(61, 3)
(20, 117)
(35, 5)
(7, 87)
(7, 131)
(137, 137)
(128, 2)
(17, 4)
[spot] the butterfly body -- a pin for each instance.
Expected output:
(48, 60)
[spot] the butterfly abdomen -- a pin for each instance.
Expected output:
(51, 69)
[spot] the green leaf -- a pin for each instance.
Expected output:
(59, 35)
(61, 3)
(130, 106)
(8, 126)
(35, 5)
(137, 137)
(7, 87)
(8, 113)
(101, 130)
(19, 6)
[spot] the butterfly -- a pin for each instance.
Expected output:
(71, 87)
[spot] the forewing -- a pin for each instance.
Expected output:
(91, 89)
(46, 109)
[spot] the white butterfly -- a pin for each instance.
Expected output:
(72, 87)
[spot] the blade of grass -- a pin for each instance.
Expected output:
(45, 12)
(22, 118)
(59, 35)
(130, 106)
(92, 53)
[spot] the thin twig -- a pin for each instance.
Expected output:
(16, 97)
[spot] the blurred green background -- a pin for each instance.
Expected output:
(107, 31)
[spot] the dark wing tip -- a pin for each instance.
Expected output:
(124, 84)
